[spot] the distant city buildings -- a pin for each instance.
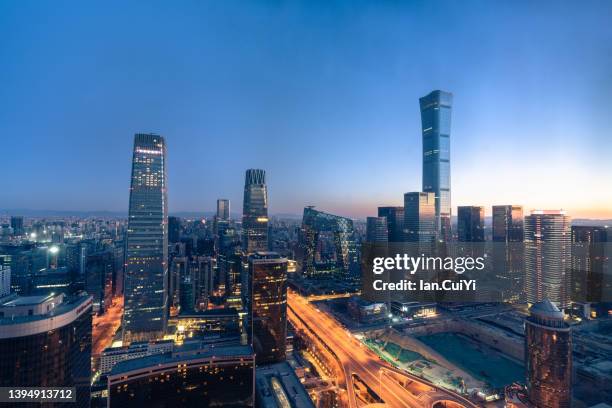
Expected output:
(470, 224)
(146, 274)
(547, 240)
(174, 229)
(548, 356)
(266, 300)
(45, 341)
(377, 229)
(17, 225)
(436, 108)
(255, 212)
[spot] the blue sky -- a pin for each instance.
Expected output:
(323, 95)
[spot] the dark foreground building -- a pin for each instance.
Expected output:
(45, 341)
(210, 377)
(266, 302)
(548, 348)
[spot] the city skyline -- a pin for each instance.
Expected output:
(322, 106)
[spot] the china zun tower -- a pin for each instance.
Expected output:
(436, 124)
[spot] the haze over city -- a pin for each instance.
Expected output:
(322, 96)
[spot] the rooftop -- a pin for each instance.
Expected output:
(180, 354)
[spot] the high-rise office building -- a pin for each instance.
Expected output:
(548, 357)
(255, 212)
(174, 229)
(508, 251)
(470, 224)
(395, 222)
(17, 225)
(376, 229)
(420, 217)
(45, 341)
(547, 257)
(99, 272)
(146, 288)
(223, 208)
(266, 300)
(589, 263)
(5, 280)
(507, 223)
(436, 126)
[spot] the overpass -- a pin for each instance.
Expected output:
(395, 387)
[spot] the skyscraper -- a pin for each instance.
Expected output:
(589, 263)
(223, 209)
(420, 217)
(547, 257)
(548, 357)
(376, 229)
(17, 225)
(507, 223)
(266, 300)
(146, 289)
(508, 250)
(174, 229)
(395, 222)
(45, 341)
(436, 126)
(255, 212)
(470, 224)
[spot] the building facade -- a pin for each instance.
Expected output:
(146, 291)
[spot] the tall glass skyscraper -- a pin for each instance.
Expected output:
(255, 212)
(436, 125)
(548, 257)
(508, 250)
(146, 291)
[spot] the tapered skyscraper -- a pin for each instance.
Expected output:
(436, 125)
(255, 212)
(146, 292)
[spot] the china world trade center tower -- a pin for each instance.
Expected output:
(146, 291)
(436, 124)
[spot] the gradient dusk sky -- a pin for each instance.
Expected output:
(323, 95)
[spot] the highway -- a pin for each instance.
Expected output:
(356, 358)
(105, 326)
